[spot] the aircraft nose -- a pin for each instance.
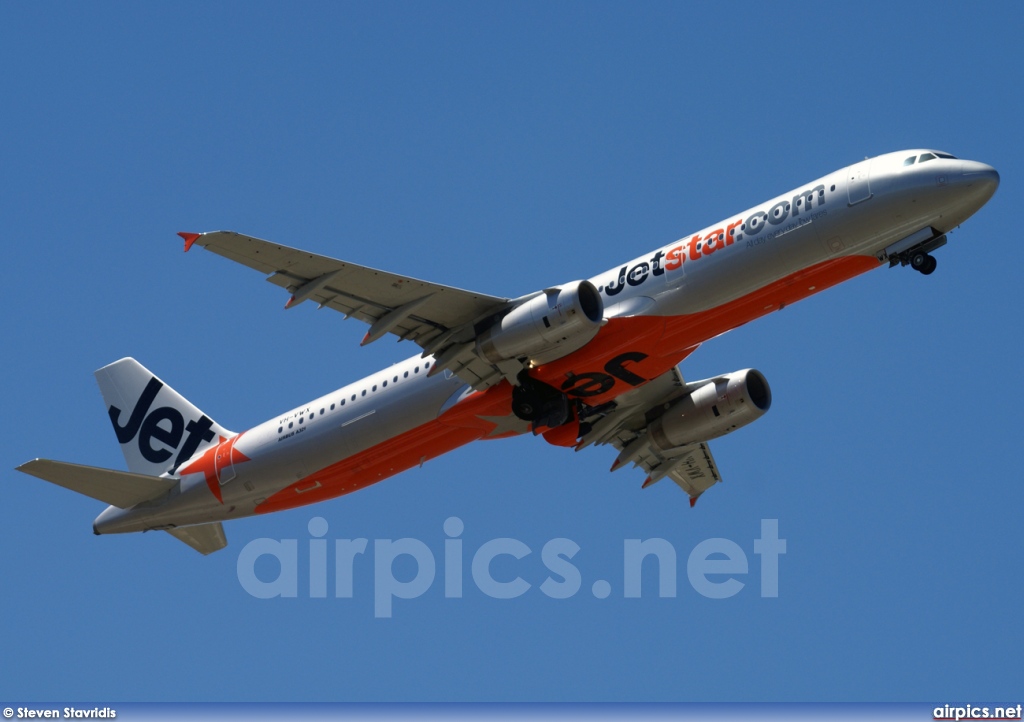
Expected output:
(980, 175)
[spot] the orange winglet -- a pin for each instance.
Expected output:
(190, 238)
(693, 501)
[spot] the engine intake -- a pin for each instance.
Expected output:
(714, 408)
(551, 324)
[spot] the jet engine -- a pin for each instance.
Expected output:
(546, 327)
(714, 408)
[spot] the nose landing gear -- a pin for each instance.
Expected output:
(914, 252)
(923, 263)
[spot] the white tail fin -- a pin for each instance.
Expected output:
(157, 427)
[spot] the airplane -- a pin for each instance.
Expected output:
(586, 363)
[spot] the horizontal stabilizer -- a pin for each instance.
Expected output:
(120, 488)
(204, 538)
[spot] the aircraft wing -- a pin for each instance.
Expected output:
(440, 319)
(691, 467)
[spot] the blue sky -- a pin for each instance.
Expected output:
(503, 148)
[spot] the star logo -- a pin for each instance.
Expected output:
(214, 460)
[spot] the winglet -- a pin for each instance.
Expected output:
(693, 501)
(190, 238)
(647, 482)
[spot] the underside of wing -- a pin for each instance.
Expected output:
(440, 319)
(626, 427)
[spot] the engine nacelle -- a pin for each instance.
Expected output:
(714, 408)
(549, 325)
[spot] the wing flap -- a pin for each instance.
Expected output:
(121, 488)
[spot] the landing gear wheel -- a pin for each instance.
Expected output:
(923, 263)
(524, 409)
(539, 403)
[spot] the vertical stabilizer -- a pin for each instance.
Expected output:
(158, 429)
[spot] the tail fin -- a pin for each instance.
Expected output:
(157, 427)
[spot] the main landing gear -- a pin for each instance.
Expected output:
(540, 403)
(923, 263)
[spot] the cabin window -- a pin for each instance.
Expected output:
(291, 424)
(280, 429)
(375, 387)
(332, 405)
(364, 393)
(384, 384)
(406, 374)
(396, 379)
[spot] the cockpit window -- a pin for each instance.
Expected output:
(946, 156)
(910, 160)
(926, 157)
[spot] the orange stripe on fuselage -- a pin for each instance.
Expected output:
(375, 464)
(686, 331)
(456, 427)
(666, 340)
